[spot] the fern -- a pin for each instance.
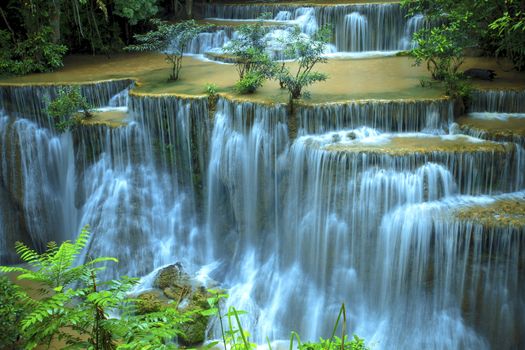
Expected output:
(74, 306)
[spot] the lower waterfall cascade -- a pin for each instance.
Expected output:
(365, 203)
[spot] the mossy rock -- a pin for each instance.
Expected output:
(175, 288)
(176, 292)
(172, 276)
(150, 302)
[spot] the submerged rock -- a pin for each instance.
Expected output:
(173, 287)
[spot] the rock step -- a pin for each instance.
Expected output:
(501, 213)
(477, 166)
(507, 127)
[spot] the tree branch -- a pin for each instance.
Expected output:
(6, 22)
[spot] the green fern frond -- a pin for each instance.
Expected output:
(27, 254)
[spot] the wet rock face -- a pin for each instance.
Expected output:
(172, 276)
(173, 287)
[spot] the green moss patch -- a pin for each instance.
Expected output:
(507, 212)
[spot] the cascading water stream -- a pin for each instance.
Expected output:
(357, 27)
(38, 171)
(134, 190)
(292, 214)
(324, 241)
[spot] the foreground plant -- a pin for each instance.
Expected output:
(171, 39)
(334, 342)
(73, 305)
(236, 337)
(12, 310)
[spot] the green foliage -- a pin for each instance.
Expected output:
(251, 59)
(161, 38)
(37, 53)
(496, 26)
(249, 82)
(307, 51)
(334, 342)
(12, 310)
(136, 10)
(235, 337)
(65, 107)
(457, 86)
(211, 89)
(73, 304)
(510, 29)
(436, 47)
(441, 46)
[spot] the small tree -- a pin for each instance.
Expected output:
(251, 59)
(307, 51)
(171, 39)
(65, 107)
(441, 46)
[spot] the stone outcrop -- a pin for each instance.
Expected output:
(175, 288)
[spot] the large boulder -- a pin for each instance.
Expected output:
(173, 287)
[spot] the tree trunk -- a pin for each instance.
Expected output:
(54, 20)
(189, 8)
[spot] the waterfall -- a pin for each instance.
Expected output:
(30, 101)
(334, 227)
(38, 171)
(248, 150)
(502, 127)
(383, 205)
(356, 30)
(497, 101)
(464, 272)
(357, 27)
(137, 186)
(413, 24)
(402, 115)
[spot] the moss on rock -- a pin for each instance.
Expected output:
(175, 288)
(171, 276)
(501, 213)
(150, 302)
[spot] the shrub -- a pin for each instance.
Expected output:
(251, 59)
(37, 53)
(12, 311)
(249, 83)
(211, 89)
(65, 107)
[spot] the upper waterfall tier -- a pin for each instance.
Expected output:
(357, 27)
(390, 78)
